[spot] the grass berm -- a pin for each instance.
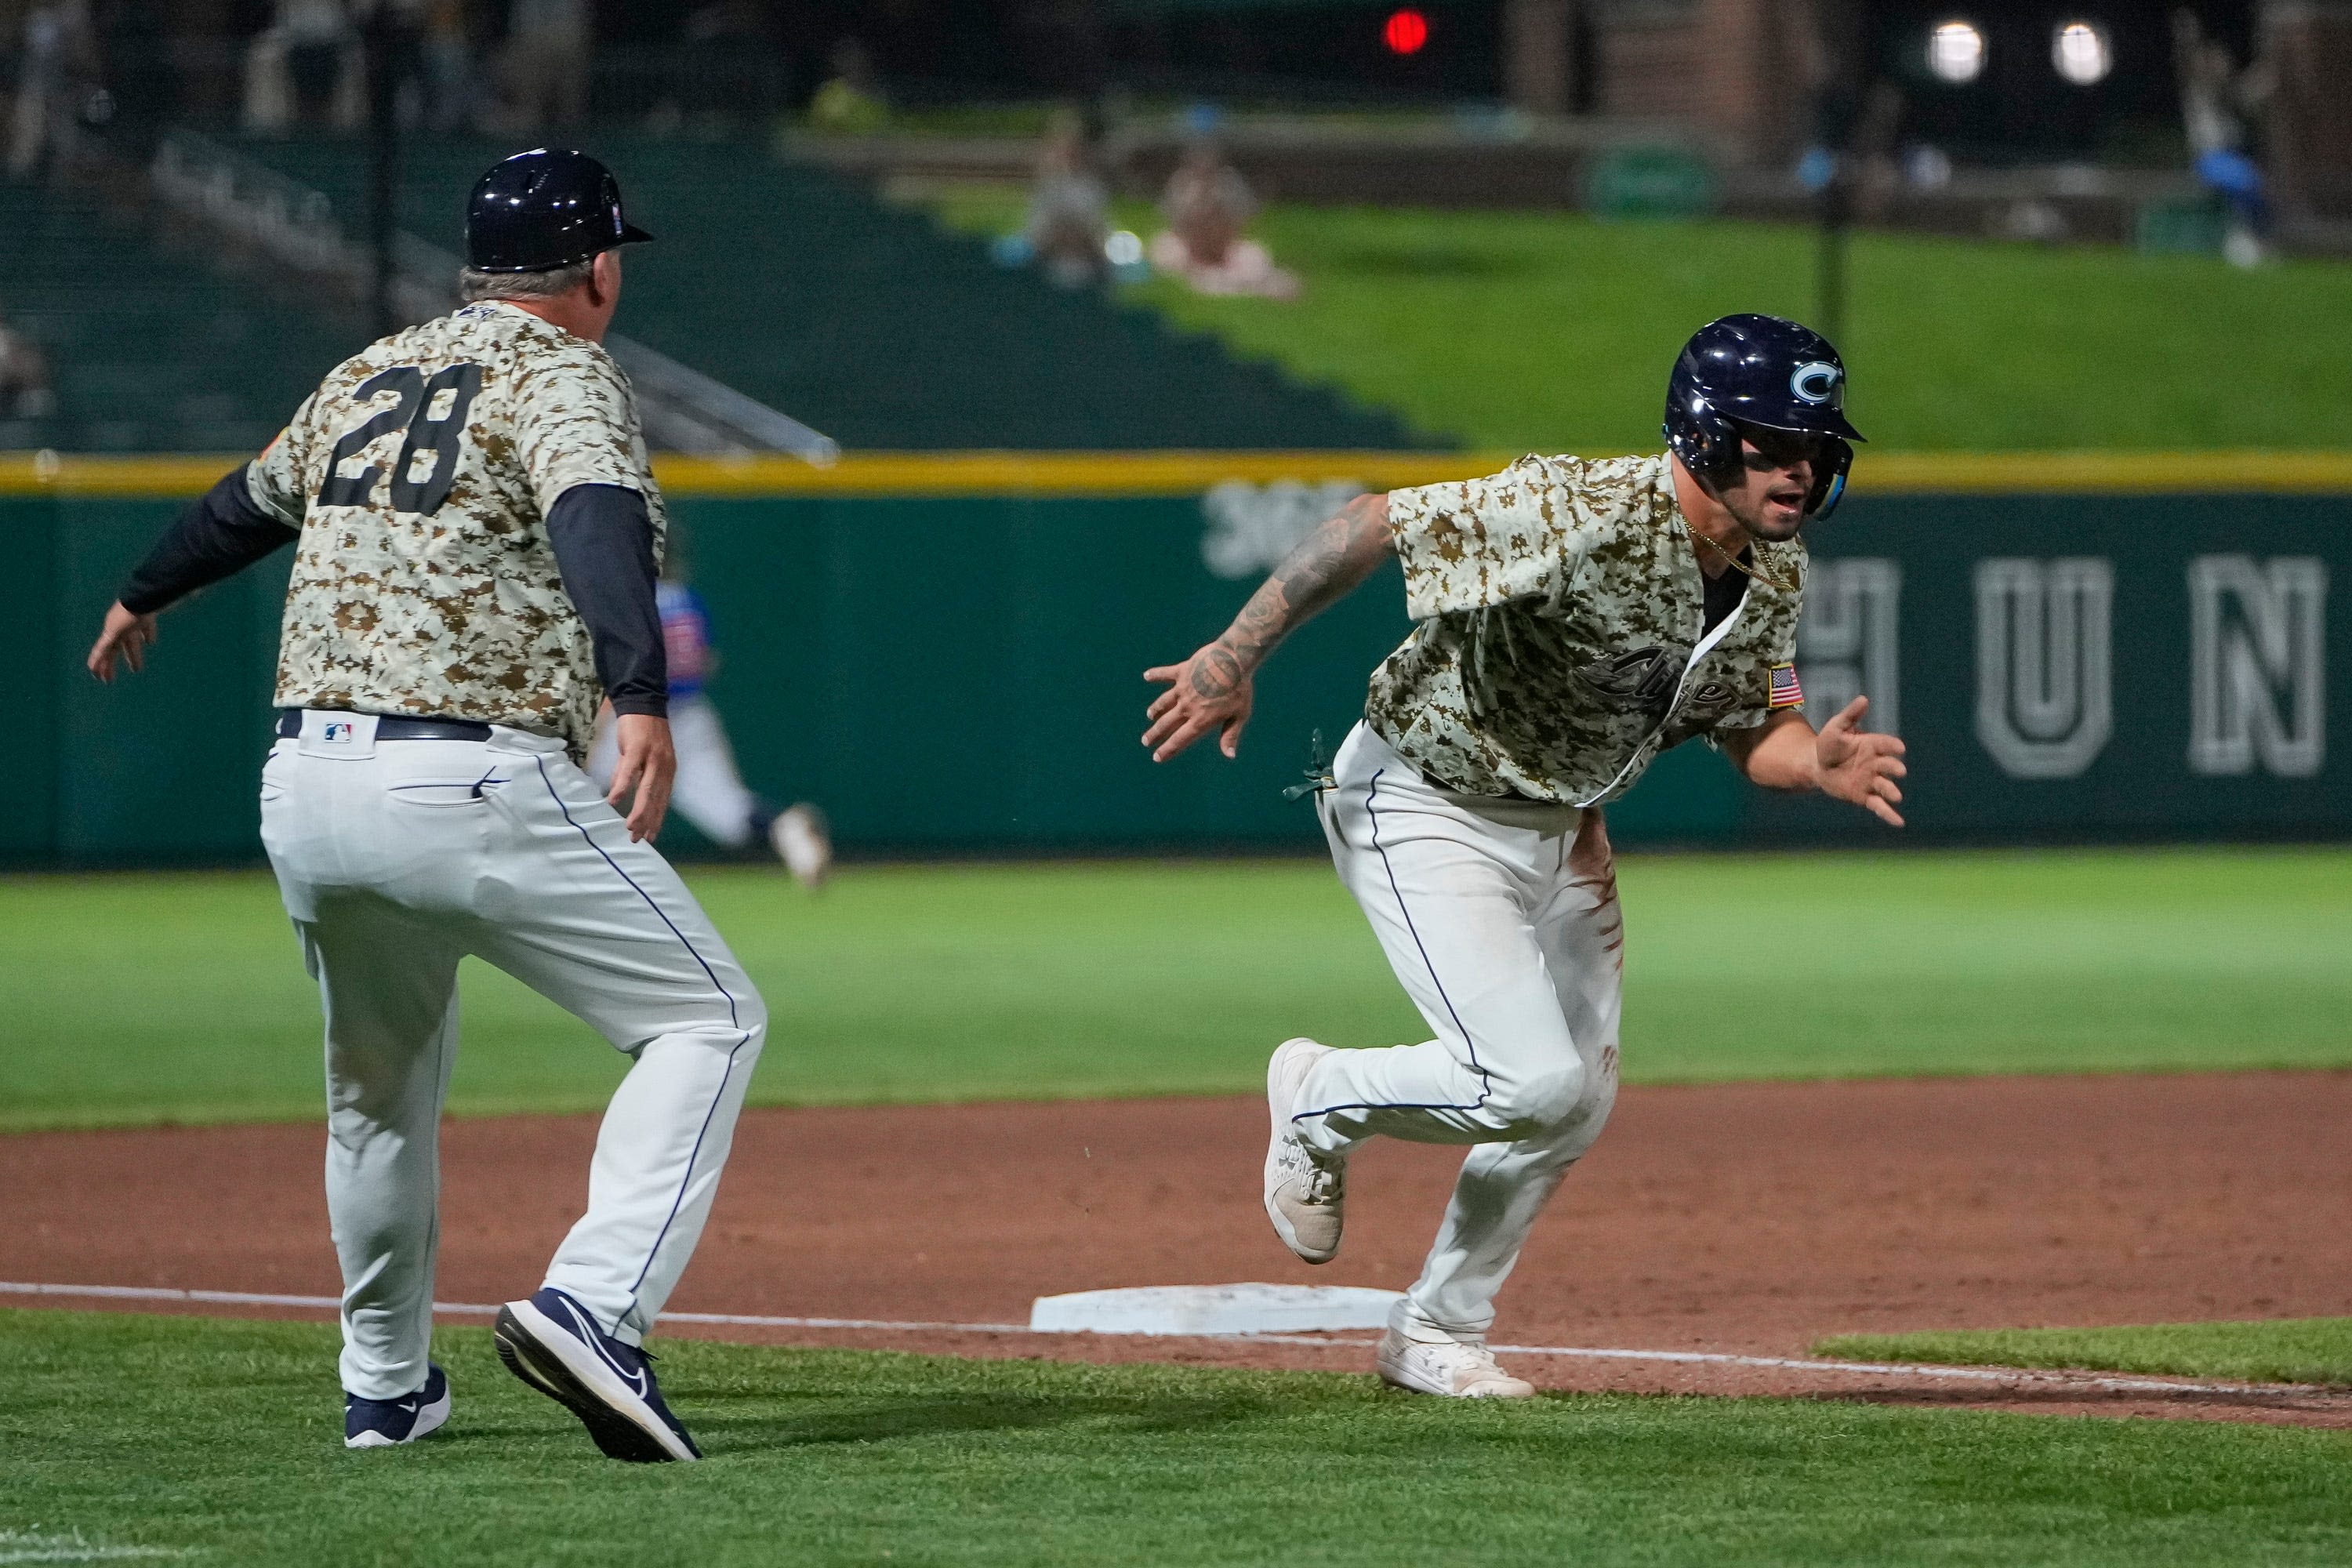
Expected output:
(1551, 331)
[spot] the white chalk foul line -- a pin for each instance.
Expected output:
(212, 1298)
(478, 1309)
(39, 1546)
(1583, 1352)
(1922, 1369)
(1864, 1368)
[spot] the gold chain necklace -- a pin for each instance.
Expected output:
(1753, 575)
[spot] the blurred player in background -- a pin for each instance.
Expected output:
(1576, 618)
(710, 792)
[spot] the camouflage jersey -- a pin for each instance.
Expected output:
(1560, 603)
(420, 475)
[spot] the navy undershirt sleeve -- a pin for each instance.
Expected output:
(603, 541)
(218, 536)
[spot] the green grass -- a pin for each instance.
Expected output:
(131, 998)
(222, 1439)
(1552, 332)
(2290, 1350)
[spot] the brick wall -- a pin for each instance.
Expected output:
(2309, 46)
(1737, 70)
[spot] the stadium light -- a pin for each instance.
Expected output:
(1956, 51)
(1404, 31)
(2081, 52)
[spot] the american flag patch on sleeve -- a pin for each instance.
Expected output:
(1785, 691)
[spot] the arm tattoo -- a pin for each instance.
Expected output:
(1341, 553)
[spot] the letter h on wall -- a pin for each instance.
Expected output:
(1846, 644)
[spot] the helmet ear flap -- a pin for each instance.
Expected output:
(1706, 442)
(1722, 454)
(1716, 440)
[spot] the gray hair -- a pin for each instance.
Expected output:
(473, 285)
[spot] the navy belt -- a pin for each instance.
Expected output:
(389, 727)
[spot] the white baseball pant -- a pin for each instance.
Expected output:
(1500, 919)
(709, 793)
(398, 857)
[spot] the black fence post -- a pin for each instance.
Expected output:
(381, 36)
(1830, 281)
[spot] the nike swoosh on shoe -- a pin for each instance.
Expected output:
(639, 1383)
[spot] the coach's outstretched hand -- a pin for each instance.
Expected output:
(1858, 766)
(125, 635)
(1213, 689)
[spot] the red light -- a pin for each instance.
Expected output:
(1405, 32)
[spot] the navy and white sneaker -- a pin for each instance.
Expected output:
(388, 1423)
(552, 1343)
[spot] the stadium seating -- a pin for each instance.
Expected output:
(868, 322)
(151, 348)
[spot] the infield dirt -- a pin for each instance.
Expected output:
(1752, 1218)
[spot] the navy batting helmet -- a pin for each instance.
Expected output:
(1759, 370)
(544, 209)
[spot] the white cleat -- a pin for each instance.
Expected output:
(803, 843)
(1453, 1369)
(1305, 1194)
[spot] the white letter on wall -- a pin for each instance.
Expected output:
(1846, 644)
(2045, 684)
(2257, 664)
(1251, 528)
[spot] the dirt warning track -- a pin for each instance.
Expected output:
(1747, 1219)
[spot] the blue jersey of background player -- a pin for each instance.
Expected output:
(685, 635)
(710, 792)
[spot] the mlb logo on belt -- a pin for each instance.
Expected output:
(1784, 692)
(337, 733)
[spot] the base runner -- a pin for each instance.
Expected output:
(477, 537)
(1576, 618)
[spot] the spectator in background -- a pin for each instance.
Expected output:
(1208, 204)
(2216, 101)
(1877, 172)
(25, 391)
(397, 28)
(60, 67)
(1069, 206)
(733, 66)
(326, 67)
(850, 103)
(547, 62)
(447, 61)
(305, 68)
(1851, 161)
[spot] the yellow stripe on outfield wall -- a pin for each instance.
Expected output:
(1109, 474)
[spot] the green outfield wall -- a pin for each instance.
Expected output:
(947, 652)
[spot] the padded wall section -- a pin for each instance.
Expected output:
(965, 676)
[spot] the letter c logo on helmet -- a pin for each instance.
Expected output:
(1762, 371)
(1815, 381)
